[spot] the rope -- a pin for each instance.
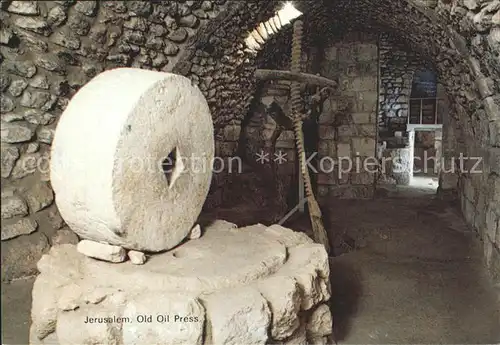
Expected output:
(318, 229)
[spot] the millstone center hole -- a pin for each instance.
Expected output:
(172, 167)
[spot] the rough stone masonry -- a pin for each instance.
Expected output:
(253, 285)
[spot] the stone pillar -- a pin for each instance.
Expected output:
(438, 146)
(411, 154)
(448, 176)
(398, 165)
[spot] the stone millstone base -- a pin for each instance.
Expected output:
(252, 285)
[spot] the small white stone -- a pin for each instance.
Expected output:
(195, 232)
(102, 251)
(137, 258)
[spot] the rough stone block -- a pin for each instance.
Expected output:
(368, 83)
(39, 196)
(65, 236)
(492, 224)
(43, 309)
(469, 211)
(241, 316)
(494, 265)
(247, 294)
(232, 133)
(367, 52)
(19, 255)
(324, 190)
(469, 190)
(326, 132)
(228, 148)
(13, 206)
(284, 297)
(326, 118)
(286, 140)
(363, 178)
(324, 148)
(345, 133)
(9, 156)
(367, 130)
(23, 226)
(344, 150)
(72, 329)
(364, 146)
(16, 132)
(361, 118)
(327, 179)
(179, 319)
(366, 101)
(24, 8)
(316, 287)
(287, 237)
(320, 322)
(448, 181)
(298, 338)
(331, 53)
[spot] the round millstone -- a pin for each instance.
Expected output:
(131, 160)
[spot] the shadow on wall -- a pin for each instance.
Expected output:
(346, 292)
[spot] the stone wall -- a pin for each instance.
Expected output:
(49, 50)
(426, 152)
(264, 151)
(397, 67)
(397, 64)
(346, 124)
(347, 128)
(477, 26)
(275, 101)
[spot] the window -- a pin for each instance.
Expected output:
(423, 99)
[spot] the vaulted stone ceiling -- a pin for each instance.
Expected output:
(461, 40)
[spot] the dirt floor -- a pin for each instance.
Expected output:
(412, 273)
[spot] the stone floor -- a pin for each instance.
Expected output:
(424, 182)
(415, 276)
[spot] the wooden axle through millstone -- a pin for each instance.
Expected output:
(306, 78)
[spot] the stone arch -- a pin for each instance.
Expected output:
(429, 31)
(460, 40)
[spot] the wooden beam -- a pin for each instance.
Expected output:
(268, 74)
